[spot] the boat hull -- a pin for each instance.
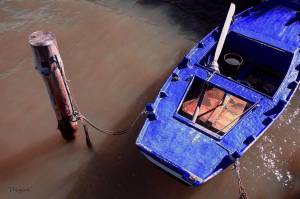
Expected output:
(188, 151)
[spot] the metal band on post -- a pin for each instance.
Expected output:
(49, 63)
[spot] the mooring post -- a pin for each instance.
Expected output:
(49, 63)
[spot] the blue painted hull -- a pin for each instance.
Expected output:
(267, 35)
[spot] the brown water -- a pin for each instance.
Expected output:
(117, 54)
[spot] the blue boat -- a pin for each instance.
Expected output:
(203, 120)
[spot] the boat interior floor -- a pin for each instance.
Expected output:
(218, 111)
(256, 77)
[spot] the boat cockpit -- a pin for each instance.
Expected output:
(218, 110)
(251, 63)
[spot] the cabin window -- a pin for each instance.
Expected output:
(218, 111)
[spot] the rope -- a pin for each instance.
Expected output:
(74, 112)
(78, 116)
(242, 191)
(87, 136)
(112, 132)
(85, 122)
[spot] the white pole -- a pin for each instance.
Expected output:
(219, 48)
(223, 36)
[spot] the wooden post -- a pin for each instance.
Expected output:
(49, 63)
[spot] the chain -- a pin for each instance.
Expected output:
(242, 190)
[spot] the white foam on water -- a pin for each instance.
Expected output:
(288, 117)
(273, 165)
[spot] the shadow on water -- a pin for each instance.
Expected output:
(48, 146)
(198, 16)
(118, 170)
(195, 17)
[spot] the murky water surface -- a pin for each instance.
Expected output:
(117, 54)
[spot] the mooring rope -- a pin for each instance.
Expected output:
(78, 116)
(85, 122)
(111, 132)
(242, 191)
